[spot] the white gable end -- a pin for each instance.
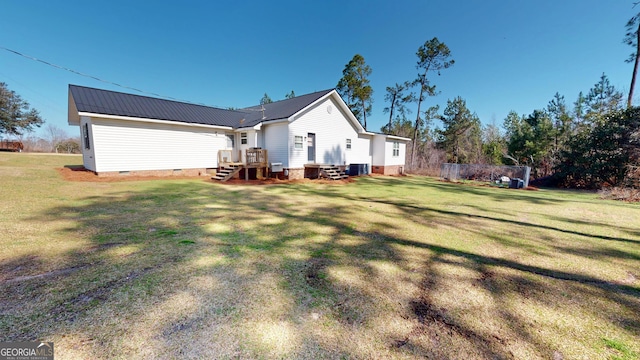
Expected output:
(331, 127)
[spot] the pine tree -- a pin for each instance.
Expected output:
(397, 102)
(433, 56)
(355, 89)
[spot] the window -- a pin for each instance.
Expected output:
(396, 148)
(85, 135)
(297, 142)
(243, 138)
(348, 144)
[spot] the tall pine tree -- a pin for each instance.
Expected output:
(355, 89)
(433, 56)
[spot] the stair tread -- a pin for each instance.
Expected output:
(227, 173)
(332, 173)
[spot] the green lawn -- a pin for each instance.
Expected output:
(383, 267)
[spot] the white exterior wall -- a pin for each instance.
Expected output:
(122, 145)
(88, 156)
(388, 152)
(379, 150)
(361, 150)
(332, 129)
(383, 151)
(234, 147)
(276, 142)
(252, 141)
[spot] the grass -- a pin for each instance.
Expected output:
(380, 268)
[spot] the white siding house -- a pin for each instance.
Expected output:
(389, 154)
(325, 129)
(276, 142)
(122, 144)
(124, 133)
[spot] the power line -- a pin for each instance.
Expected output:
(102, 80)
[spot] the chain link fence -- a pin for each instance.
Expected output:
(488, 173)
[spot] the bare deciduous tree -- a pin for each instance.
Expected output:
(54, 135)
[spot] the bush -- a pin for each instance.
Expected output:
(604, 155)
(619, 193)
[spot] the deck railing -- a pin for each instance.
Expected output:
(225, 157)
(256, 157)
(252, 158)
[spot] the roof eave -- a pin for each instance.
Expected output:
(393, 137)
(73, 118)
(157, 121)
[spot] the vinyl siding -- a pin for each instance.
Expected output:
(275, 141)
(122, 145)
(332, 131)
(388, 153)
(88, 156)
(252, 141)
(361, 150)
(379, 150)
(383, 151)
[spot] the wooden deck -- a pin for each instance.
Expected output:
(253, 159)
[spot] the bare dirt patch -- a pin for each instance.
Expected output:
(314, 272)
(81, 174)
(435, 323)
(59, 272)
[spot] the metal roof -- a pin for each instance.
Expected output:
(282, 109)
(107, 102)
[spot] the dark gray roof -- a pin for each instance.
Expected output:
(282, 109)
(121, 104)
(115, 103)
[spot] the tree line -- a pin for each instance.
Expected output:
(18, 120)
(590, 143)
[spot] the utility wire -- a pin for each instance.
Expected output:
(102, 80)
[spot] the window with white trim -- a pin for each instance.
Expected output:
(348, 144)
(243, 138)
(297, 142)
(85, 134)
(396, 148)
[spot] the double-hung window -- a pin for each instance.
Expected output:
(348, 144)
(297, 142)
(396, 148)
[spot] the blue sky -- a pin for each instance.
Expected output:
(510, 55)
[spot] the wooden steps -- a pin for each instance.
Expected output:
(331, 172)
(227, 173)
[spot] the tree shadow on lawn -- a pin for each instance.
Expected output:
(493, 193)
(277, 260)
(490, 192)
(631, 231)
(512, 329)
(423, 210)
